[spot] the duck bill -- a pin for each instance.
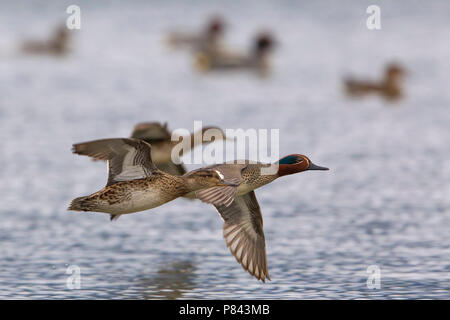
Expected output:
(313, 166)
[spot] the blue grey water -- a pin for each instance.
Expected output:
(385, 202)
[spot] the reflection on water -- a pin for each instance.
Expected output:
(170, 282)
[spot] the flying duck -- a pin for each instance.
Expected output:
(239, 208)
(134, 182)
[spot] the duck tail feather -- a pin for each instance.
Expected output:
(81, 204)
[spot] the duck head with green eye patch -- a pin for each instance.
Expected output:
(295, 163)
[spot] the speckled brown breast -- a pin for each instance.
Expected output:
(253, 178)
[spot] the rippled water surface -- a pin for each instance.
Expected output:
(385, 201)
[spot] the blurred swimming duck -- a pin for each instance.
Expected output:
(134, 183)
(257, 59)
(159, 136)
(58, 44)
(390, 87)
(240, 211)
(207, 40)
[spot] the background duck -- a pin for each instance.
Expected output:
(390, 87)
(159, 136)
(58, 44)
(134, 183)
(257, 59)
(239, 208)
(207, 40)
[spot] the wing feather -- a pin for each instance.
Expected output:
(244, 234)
(223, 195)
(128, 159)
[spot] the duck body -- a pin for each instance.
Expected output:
(250, 173)
(58, 44)
(390, 91)
(201, 42)
(251, 176)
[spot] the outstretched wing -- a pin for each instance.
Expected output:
(244, 234)
(223, 195)
(128, 159)
(151, 132)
